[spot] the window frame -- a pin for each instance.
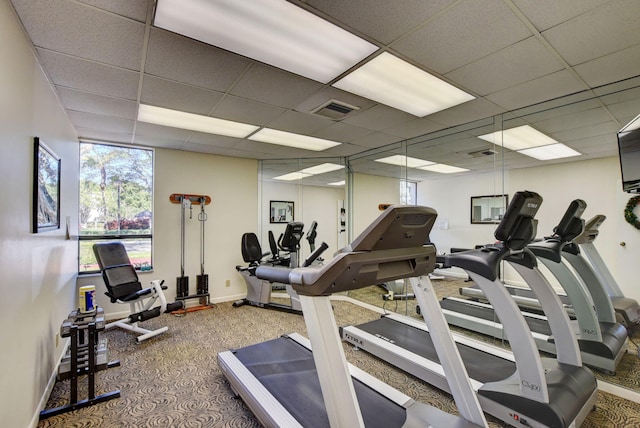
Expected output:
(117, 237)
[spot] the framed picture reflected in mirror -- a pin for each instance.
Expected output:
(488, 209)
(281, 211)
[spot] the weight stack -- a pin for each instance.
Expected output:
(202, 284)
(182, 286)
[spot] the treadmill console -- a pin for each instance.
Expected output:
(571, 225)
(518, 226)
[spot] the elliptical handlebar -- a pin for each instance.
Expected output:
(314, 256)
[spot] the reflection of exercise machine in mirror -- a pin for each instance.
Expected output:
(601, 339)
(258, 290)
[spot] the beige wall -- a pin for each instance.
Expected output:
(368, 192)
(37, 285)
(232, 185)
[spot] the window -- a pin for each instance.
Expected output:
(116, 202)
(408, 192)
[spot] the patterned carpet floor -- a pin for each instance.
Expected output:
(174, 381)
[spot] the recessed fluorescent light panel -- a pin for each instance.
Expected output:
(308, 172)
(552, 151)
(389, 80)
(292, 176)
(406, 161)
(193, 122)
(275, 32)
(338, 183)
(530, 142)
(282, 138)
(442, 168)
(409, 162)
(322, 168)
(522, 137)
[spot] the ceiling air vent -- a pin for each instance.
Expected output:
(483, 152)
(334, 109)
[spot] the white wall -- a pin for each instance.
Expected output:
(37, 286)
(232, 185)
(312, 203)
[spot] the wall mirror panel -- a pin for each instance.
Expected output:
(489, 164)
(314, 189)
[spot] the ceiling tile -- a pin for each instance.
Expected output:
(378, 118)
(535, 91)
(134, 9)
(188, 61)
(101, 123)
(547, 14)
(467, 112)
(610, 68)
(580, 118)
(90, 76)
(518, 63)
(456, 37)
(91, 50)
(80, 30)
(107, 136)
(151, 130)
(246, 111)
(375, 140)
(345, 149)
(343, 132)
(169, 94)
(597, 36)
(164, 143)
(300, 123)
(382, 20)
(414, 128)
(97, 104)
(273, 86)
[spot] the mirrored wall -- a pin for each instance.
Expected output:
(447, 169)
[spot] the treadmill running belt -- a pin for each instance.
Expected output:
(480, 365)
(287, 370)
(536, 325)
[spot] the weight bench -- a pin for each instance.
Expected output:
(123, 286)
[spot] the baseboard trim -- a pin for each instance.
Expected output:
(44, 398)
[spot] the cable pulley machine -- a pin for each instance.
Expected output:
(186, 201)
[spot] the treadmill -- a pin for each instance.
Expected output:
(284, 383)
(518, 387)
(601, 339)
(586, 261)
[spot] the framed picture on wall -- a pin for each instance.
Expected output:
(46, 188)
(280, 211)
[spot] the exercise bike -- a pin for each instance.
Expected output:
(258, 290)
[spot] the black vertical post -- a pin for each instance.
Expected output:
(74, 364)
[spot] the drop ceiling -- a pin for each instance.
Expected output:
(105, 58)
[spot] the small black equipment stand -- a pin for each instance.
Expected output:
(86, 355)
